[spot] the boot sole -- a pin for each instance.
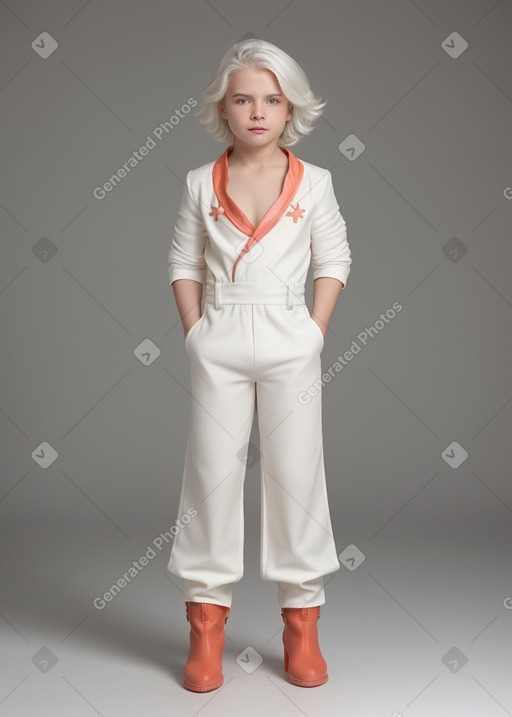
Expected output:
(206, 688)
(307, 683)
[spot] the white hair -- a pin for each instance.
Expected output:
(294, 83)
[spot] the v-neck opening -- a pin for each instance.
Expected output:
(235, 214)
(246, 218)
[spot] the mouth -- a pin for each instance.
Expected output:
(258, 129)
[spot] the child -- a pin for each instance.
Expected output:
(248, 225)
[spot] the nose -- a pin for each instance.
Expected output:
(257, 112)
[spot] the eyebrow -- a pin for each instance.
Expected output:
(241, 94)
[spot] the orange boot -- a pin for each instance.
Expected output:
(302, 657)
(203, 669)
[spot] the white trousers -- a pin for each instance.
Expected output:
(255, 345)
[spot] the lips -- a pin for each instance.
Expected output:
(258, 129)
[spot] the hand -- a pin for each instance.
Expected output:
(324, 331)
(326, 291)
(190, 327)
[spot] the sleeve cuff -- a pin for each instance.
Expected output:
(182, 273)
(335, 272)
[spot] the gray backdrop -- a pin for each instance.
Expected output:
(95, 385)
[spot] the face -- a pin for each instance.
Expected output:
(254, 98)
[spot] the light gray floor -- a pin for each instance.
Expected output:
(385, 631)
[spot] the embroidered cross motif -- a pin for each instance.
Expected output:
(297, 213)
(215, 213)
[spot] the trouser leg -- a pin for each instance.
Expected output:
(208, 552)
(297, 544)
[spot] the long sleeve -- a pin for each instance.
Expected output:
(330, 251)
(186, 255)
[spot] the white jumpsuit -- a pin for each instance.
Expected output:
(256, 345)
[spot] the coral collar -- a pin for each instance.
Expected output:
(232, 211)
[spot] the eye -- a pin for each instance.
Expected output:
(244, 99)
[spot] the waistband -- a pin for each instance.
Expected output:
(244, 292)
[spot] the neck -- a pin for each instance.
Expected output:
(255, 157)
